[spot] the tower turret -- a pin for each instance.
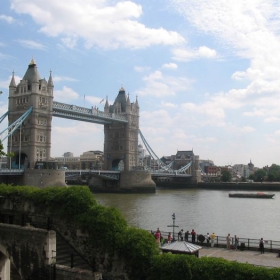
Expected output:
(32, 142)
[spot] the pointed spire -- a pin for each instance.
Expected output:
(50, 81)
(31, 74)
(128, 100)
(13, 83)
(107, 103)
(136, 103)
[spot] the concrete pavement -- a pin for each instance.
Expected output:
(267, 259)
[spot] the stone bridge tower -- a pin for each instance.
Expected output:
(32, 141)
(121, 140)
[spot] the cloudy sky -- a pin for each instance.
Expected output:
(206, 73)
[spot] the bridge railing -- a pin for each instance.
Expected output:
(11, 171)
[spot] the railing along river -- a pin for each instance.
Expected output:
(221, 242)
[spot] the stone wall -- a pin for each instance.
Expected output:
(138, 181)
(110, 265)
(37, 178)
(27, 248)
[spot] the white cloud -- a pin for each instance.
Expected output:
(64, 78)
(65, 94)
(141, 69)
(32, 45)
(168, 104)
(96, 22)
(160, 85)
(183, 54)
(8, 19)
(170, 66)
(272, 120)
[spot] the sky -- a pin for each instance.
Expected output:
(206, 73)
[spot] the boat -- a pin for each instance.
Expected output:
(252, 195)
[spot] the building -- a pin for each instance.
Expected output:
(90, 160)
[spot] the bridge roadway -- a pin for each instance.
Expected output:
(105, 174)
(12, 172)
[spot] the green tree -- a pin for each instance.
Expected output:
(2, 153)
(260, 175)
(226, 176)
(273, 173)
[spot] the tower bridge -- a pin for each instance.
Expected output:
(30, 111)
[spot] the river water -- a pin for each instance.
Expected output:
(201, 210)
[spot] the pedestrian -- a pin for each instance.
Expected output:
(193, 233)
(179, 235)
(187, 233)
(212, 236)
(169, 238)
(236, 241)
(208, 239)
(262, 246)
(182, 235)
(228, 241)
(157, 236)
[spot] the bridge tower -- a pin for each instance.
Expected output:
(32, 141)
(121, 140)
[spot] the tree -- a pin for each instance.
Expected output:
(273, 173)
(226, 176)
(2, 153)
(260, 175)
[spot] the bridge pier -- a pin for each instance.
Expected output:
(38, 178)
(136, 181)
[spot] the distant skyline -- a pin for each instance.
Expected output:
(206, 73)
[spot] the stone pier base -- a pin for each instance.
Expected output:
(40, 178)
(130, 182)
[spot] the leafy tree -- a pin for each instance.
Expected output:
(273, 173)
(260, 175)
(2, 153)
(226, 176)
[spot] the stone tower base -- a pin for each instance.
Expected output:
(130, 182)
(40, 178)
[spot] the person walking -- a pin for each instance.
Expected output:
(182, 235)
(212, 236)
(158, 236)
(262, 246)
(169, 238)
(228, 241)
(193, 233)
(187, 233)
(208, 239)
(236, 241)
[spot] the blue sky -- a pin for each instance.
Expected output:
(206, 73)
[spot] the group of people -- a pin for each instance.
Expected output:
(184, 236)
(231, 242)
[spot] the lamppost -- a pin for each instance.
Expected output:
(173, 218)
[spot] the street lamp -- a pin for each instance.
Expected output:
(173, 218)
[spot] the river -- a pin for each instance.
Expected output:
(201, 210)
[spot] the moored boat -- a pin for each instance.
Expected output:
(252, 195)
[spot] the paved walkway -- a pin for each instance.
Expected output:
(252, 257)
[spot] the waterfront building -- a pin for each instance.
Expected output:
(241, 170)
(88, 160)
